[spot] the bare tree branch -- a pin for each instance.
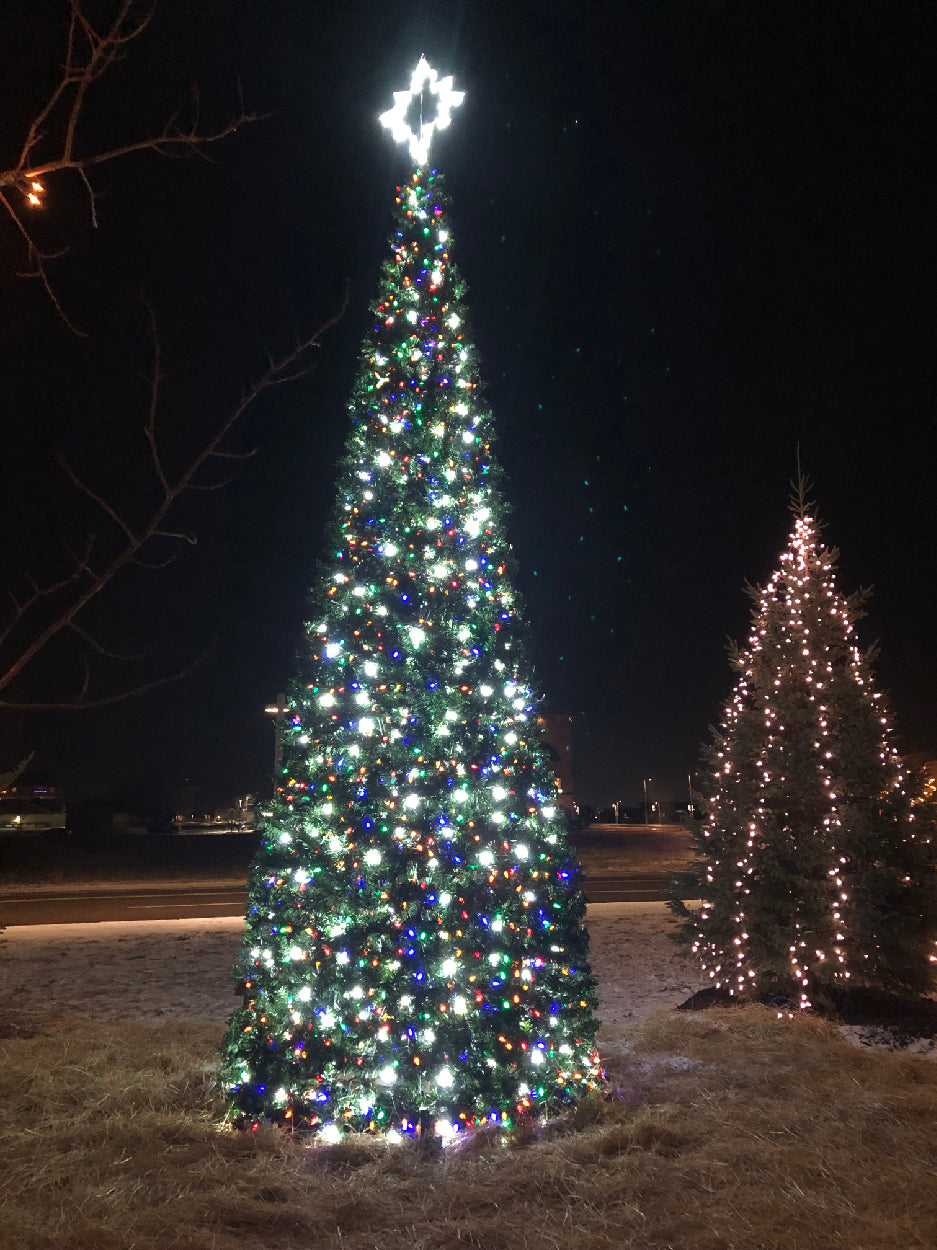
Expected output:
(89, 54)
(37, 592)
(208, 486)
(93, 643)
(86, 680)
(155, 564)
(43, 612)
(86, 583)
(183, 538)
(80, 562)
(81, 485)
(36, 259)
(234, 455)
(156, 380)
(130, 692)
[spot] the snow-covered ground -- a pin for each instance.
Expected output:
(151, 971)
(155, 970)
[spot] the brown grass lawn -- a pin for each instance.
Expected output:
(729, 1129)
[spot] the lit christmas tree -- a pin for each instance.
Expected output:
(818, 871)
(415, 957)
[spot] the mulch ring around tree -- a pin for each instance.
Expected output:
(876, 1017)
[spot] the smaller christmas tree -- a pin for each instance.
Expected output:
(817, 867)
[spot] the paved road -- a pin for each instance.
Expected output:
(147, 903)
(625, 889)
(168, 903)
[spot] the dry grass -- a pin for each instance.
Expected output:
(729, 1129)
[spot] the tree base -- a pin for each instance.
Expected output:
(885, 1019)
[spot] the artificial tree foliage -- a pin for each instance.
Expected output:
(415, 954)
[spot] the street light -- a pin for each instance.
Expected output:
(646, 780)
(278, 712)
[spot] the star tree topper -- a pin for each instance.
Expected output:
(395, 119)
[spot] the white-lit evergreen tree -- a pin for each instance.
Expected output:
(415, 955)
(817, 867)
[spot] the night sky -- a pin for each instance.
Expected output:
(695, 235)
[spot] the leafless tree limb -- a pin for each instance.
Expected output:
(80, 560)
(85, 681)
(90, 641)
(156, 564)
(76, 589)
(102, 503)
(234, 455)
(89, 53)
(209, 486)
(43, 612)
(36, 259)
(182, 538)
(156, 380)
(37, 592)
(67, 705)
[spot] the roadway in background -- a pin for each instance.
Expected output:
(65, 906)
(621, 863)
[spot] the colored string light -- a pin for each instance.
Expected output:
(415, 952)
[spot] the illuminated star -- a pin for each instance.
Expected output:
(395, 119)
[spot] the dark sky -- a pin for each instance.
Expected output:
(695, 234)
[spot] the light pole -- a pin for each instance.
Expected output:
(646, 780)
(277, 712)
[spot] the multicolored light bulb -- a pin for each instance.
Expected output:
(415, 954)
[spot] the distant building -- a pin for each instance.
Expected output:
(31, 805)
(556, 734)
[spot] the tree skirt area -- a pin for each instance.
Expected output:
(153, 970)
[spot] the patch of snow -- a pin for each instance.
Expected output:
(151, 971)
(154, 970)
(143, 970)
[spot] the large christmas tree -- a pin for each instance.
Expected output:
(415, 956)
(818, 870)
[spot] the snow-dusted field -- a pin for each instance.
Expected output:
(154, 970)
